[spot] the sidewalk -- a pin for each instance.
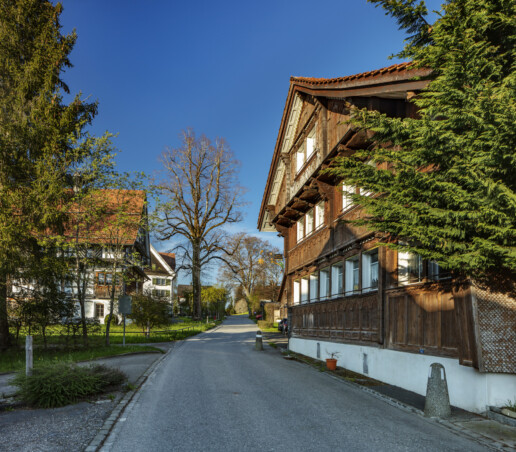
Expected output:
(69, 428)
(486, 431)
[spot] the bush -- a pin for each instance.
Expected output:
(60, 384)
(114, 320)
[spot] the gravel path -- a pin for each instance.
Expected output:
(66, 429)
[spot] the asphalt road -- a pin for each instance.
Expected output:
(215, 392)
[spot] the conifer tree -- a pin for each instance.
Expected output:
(446, 181)
(40, 135)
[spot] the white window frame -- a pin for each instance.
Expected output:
(297, 291)
(370, 268)
(314, 286)
(300, 158)
(309, 222)
(337, 279)
(310, 143)
(351, 285)
(324, 283)
(404, 260)
(300, 229)
(319, 215)
(304, 289)
(347, 202)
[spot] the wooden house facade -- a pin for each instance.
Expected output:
(389, 314)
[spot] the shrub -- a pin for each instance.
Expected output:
(60, 384)
(114, 319)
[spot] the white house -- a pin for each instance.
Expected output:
(161, 275)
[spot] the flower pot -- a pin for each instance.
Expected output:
(331, 364)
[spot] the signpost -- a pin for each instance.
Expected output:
(125, 307)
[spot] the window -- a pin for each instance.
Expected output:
(319, 215)
(310, 144)
(297, 292)
(336, 279)
(324, 283)
(410, 267)
(160, 281)
(347, 190)
(370, 270)
(304, 289)
(300, 229)
(306, 150)
(352, 275)
(99, 310)
(314, 286)
(101, 279)
(309, 224)
(435, 272)
(300, 158)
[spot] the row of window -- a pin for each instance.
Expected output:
(310, 222)
(106, 278)
(343, 278)
(314, 218)
(339, 279)
(160, 282)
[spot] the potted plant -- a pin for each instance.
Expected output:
(331, 362)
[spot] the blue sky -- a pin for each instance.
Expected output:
(220, 67)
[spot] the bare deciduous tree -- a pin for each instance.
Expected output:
(252, 263)
(200, 195)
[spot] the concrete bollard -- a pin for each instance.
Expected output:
(28, 356)
(259, 344)
(437, 403)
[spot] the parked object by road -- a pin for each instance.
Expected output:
(283, 325)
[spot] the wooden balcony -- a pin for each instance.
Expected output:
(105, 291)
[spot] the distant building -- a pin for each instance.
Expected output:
(161, 274)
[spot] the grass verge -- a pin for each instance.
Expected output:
(340, 372)
(14, 359)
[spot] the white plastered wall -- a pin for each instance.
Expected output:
(468, 388)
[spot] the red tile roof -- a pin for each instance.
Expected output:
(363, 75)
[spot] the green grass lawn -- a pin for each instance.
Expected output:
(14, 359)
(61, 347)
(57, 334)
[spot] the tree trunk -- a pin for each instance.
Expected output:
(196, 281)
(4, 324)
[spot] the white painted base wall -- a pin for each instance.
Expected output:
(468, 388)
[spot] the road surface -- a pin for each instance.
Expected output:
(216, 393)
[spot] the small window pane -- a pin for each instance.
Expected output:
(319, 214)
(314, 286)
(324, 283)
(347, 190)
(309, 222)
(300, 229)
(410, 268)
(336, 279)
(297, 291)
(304, 290)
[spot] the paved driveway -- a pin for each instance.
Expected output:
(215, 392)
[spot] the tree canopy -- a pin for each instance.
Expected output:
(446, 180)
(42, 138)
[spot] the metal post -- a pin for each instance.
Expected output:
(123, 338)
(28, 356)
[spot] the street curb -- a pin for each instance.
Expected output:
(461, 431)
(97, 442)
